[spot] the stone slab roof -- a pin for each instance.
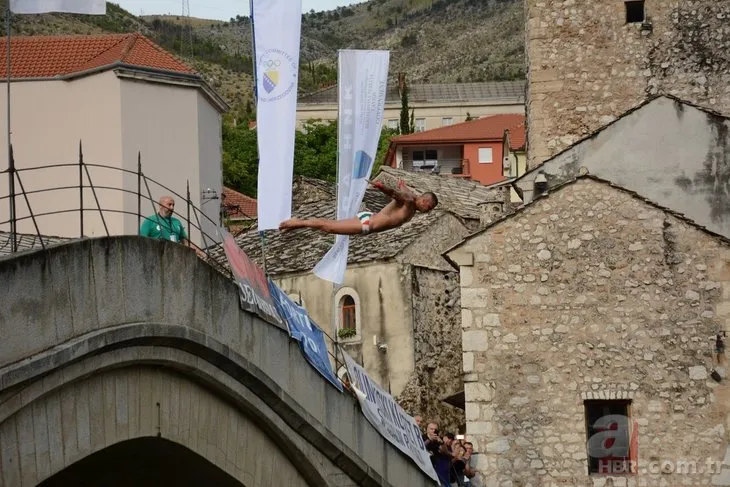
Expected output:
(459, 196)
(513, 91)
(26, 242)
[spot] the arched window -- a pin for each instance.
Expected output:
(348, 322)
(348, 315)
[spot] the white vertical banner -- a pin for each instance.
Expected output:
(91, 7)
(277, 27)
(362, 83)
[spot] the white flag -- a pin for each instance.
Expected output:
(277, 27)
(92, 7)
(362, 83)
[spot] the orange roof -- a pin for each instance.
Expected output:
(52, 56)
(238, 205)
(483, 129)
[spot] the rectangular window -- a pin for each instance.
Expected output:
(393, 124)
(485, 155)
(611, 437)
(447, 121)
(348, 316)
(420, 125)
(634, 11)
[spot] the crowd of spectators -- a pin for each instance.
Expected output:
(451, 457)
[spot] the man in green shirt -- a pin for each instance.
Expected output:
(163, 225)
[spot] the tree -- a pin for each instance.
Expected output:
(405, 127)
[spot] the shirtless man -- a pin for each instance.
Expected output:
(404, 205)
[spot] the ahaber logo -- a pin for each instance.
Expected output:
(278, 74)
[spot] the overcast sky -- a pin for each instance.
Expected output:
(215, 9)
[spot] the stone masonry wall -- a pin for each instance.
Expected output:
(437, 337)
(587, 66)
(592, 293)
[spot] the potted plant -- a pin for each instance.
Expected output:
(346, 333)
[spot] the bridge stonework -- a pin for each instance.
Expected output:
(119, 338)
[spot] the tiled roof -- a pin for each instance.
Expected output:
(483, 129)
(459, 196)
(513, 91)
(300, 250)
(52, 56)
(238, 205)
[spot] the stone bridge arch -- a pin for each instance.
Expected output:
(116, 339)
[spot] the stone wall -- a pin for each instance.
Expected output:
(437, 337)
(593, 293)
(587, 66)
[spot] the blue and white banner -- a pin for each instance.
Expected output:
(394, 424)
(362, 83)
(277, 28)
(306, 332)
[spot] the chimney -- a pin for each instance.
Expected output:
(401, 82)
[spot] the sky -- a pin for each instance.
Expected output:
(215, 9)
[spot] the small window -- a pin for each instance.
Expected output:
(634, 11)
(418, 155)
(447, 121)
(612, 437)
(393, 123)
(347, 307)
(420, 125)
(485, 155)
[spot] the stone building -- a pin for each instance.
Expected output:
(592, 301)
(590, 62)
(398, 310)
(674, 153)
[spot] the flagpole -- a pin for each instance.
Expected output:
(11, 163)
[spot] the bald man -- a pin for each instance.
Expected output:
(163, 225)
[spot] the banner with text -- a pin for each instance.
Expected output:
(388, 417)
(306, 332)
(362, 83)
(277, 27)
(252, 283)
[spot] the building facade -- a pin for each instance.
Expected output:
(125, 100)
(590, 62)
(589, 314)
(433, 105)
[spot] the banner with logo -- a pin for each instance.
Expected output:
(306, 332)
(388, 417)
(253, 285)
(277, 27)
(362, 83)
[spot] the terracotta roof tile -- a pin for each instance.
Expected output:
(238, 205)
(483, 129)
(52, 56)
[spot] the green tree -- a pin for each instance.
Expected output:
(405, 127)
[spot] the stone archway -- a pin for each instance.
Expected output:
(142, 462)
(69, 423)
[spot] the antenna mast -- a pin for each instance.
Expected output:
(186, 30)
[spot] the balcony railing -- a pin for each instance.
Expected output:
(447, 167)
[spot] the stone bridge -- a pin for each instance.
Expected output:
(127, 361)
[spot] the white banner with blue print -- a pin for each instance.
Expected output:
(362, 83)
(306, 332)
(394, 424)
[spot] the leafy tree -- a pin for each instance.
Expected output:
(405, 127)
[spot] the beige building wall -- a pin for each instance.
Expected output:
(175, 128)
(587, 65)
(593, 294)
(432, 113)
(381, 292)
(48, 119)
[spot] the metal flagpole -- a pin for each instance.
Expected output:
(336, 287)
(11, 162)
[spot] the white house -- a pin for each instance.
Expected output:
(121, 96)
